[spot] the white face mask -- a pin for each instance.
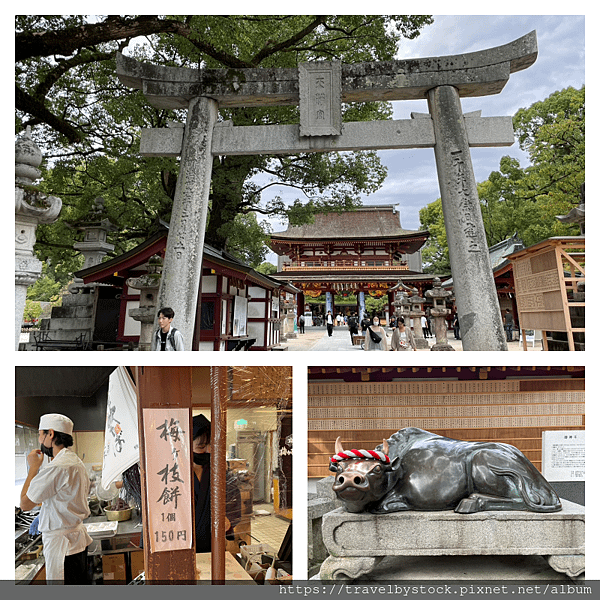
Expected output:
(376, 322)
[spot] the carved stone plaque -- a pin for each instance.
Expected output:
(320, 98)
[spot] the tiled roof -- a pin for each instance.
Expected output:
(365, 222)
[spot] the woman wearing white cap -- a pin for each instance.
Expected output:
(62, 488)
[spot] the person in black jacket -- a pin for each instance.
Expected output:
(353, 325)
(233, 509)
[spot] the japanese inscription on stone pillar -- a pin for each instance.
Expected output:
(465, 202)
(320, 98)
(168, 478)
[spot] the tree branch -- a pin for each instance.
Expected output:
(64, 42)
(270, 49)
(36, 108)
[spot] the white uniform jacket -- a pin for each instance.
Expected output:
(62, 487)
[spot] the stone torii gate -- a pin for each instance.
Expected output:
(319, 88)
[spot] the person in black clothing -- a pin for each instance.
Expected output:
(233, 509)
(301, 323)
(456, 327)
(365, 323)
(329, 323)
(353, 325)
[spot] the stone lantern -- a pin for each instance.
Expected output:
(94, 246)
(439, 312)
(414, 306)
(148, 284)
(32, 207)
(287, 312)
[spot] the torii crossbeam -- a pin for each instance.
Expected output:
(319, 88)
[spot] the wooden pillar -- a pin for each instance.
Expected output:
(220, 378)
(164, 387)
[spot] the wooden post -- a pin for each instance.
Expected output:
(164, 387)
(219, 377)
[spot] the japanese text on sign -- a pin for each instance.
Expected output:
(168, 478)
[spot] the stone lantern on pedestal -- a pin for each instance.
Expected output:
(414, 304)
(32, 207)
(439, 312)
(287, 309)
(148, 285)
(94, 246)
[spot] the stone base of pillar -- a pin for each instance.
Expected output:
(446, 347)
(421, 343)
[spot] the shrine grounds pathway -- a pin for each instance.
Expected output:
(316, 338)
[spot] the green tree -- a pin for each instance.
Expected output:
(266, 268)
(375, 306)
(87, 123)
(527, 200)
(32, 312)
(436, 258)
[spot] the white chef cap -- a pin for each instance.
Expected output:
(56, 422)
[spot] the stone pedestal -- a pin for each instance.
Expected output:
(438, 313)
(71, 320)
(148, 285)
(358, 542)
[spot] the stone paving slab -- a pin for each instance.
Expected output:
(316, 338)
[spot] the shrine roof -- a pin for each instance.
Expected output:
(156, 244)
(366, 222)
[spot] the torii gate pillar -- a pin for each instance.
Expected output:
(476, 297)
(183, 257)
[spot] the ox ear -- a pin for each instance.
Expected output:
(394, 465)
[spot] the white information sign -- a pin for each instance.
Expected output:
(563, 455)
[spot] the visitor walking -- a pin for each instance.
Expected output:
(166, 337)
(509, 323)
(424, 326)
(364, 324)
(429, 326)
(301, 323)
(456, 327)
(353, 325)
(329, 323)
(375, 337)
(402, 337)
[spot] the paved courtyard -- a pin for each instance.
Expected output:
(316, 338)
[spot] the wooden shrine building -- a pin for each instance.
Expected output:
(238, 308)
(365, 252)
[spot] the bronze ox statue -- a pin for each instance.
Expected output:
(419, 470)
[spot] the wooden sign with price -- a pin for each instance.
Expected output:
(168, 482)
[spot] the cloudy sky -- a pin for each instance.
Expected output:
(412, 179)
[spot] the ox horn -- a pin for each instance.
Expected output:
(386, 447)
(338, 445)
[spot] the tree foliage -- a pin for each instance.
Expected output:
(526, 200)
(87, 123)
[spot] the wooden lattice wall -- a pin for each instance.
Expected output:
(514, 411)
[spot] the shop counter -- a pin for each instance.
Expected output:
(233, 570)
(125, 537)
